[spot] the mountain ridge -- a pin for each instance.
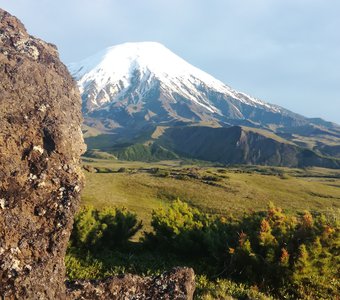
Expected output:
(130, 88)
(153, 61)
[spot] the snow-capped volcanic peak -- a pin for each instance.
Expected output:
(118, 62)
(111, 73)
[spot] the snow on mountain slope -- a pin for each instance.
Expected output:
(132, 70)
(130, 89)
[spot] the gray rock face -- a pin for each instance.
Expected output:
(178, 284)
(40, 175)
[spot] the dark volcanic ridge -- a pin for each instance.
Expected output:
(131, 90)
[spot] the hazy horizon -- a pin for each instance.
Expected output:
(283, 52)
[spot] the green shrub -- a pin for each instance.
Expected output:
(161, 172)
(109, 228)
(211, 178)
(188, 232)
(82, 268)
(225, 289)
(295, 255)
(142, 152)
(290, 256)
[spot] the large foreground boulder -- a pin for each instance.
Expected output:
(40, 175)
(178, 284)
(40, 179)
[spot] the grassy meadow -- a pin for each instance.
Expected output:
(229, 219)
(230, 191)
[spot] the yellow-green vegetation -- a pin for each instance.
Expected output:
(313, 141)
(291, 256)
(95, 229)
(226, 289)
(267, 134)
(142, 187)
(238, 246)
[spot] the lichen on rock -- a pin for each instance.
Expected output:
(177, 284)
(40, 180)
(40, 175)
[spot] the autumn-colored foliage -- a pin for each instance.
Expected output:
(297, 255)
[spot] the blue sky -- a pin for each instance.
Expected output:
(285, 52)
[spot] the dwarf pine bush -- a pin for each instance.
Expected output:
(103, 229)
(295, 254)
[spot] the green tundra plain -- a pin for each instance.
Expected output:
(249, 232)
(142, 187)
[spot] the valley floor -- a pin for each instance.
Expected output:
(142, 187)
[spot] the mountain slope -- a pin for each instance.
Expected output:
(147, 81)
(130, 89)
(235, 145)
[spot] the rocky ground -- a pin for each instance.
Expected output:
(176, 284)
